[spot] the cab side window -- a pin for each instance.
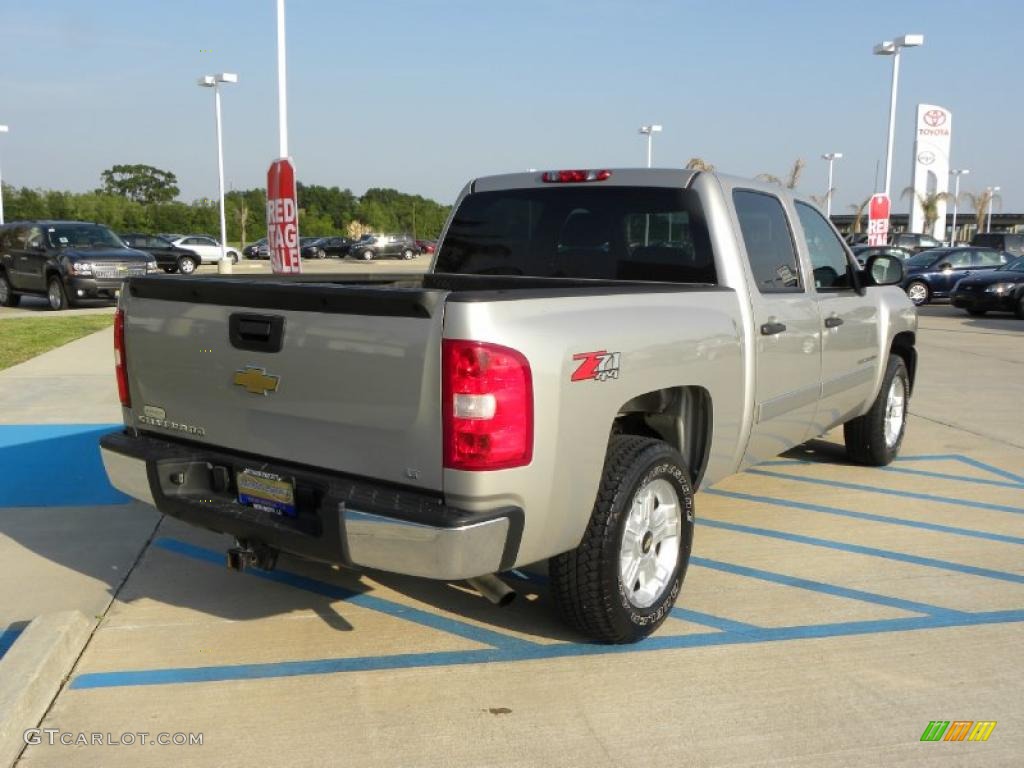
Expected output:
(768, 241)
(831, 268)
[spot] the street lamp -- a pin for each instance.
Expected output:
(831, 157)
(3, 129)
(893, 48)
(991, 196)
(649, 131)
(956, 173)
(214, 81)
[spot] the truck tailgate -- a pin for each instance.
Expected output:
(340, 377)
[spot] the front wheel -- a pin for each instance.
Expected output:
(621, 582)
(56, 294)
(366, 255)
(1019, 309)
(186, 265)
(321, 253)
(874, 438)
(919, 292)
(233, 257)
(408, 254)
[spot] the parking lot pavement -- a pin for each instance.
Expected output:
(831, 612)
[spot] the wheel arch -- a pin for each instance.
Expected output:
(680, 416)
(903, 346)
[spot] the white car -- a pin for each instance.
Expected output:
(207, 248)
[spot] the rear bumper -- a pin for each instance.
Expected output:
(340, 519)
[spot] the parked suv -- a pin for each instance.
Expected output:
(1011, 242)
(914, 241)
(382, 246)
(170, 257)
(65, 261)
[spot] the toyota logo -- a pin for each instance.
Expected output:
(926, 158)
(934, 118)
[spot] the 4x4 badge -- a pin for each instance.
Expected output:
(256, 380)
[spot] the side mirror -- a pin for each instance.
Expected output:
(883, 269)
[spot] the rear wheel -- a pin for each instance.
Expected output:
(56, 294)
(321, 253)
(875, 437)
(1019, 309)
(919, 292)
(186, 265)
(233, 256)
(621, 582)
(408, 253)
(366, 255)
(8, 298)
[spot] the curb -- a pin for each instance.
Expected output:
(32, 671)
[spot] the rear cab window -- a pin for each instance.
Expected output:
(654, 234)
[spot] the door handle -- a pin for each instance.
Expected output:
(833, 322)
(770, 329)
(257, 333)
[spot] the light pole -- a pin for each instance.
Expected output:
(3, 129)
(893, 48)
(831, 157)
(956, 173)
(649, 131)
(214, 81)
(991, 197)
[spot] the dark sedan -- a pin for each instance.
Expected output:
(932, 274)
(997, 290)
(170, 257)
(324, 247)
(256, 250)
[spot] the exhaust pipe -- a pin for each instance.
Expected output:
(493, 588)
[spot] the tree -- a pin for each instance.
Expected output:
(929, 202)
(822, 200)
(700, 164)
(981, 203)
(858, 213)
(792, 179)
(140, 183)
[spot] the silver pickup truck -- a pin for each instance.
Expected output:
(588, 349)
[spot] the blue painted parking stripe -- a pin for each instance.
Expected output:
(954, 478)
(396, 610)
(807, 506)
(858, 549)
(7, 638)
(828, 589)
(91, 680)
(990, 468)
(717, 622)
(889, 491)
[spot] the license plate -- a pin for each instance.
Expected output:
(266, 491)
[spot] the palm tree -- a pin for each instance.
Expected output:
(242, 212)
(791, 180)
(980, 203)
(700, 164)
(929, 202)
(822, 200)
(858, 213)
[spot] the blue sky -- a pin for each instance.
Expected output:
(422, 96)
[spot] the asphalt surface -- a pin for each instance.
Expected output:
(831, 612)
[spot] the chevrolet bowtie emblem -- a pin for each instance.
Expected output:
(256, 380)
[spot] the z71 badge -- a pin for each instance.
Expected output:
(596, 366)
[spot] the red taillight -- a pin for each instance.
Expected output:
(487, 406)
(120, 361)
(568, 177)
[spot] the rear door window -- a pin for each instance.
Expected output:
(768, 241)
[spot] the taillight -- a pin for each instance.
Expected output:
(568, 177)
(120, 361)
(487, 406)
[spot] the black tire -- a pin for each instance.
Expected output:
(865, 436)
(321, 253)
(925, 290)
(232, 257)
(366, 255)
(56, 294)
(408, 253)
(976, 312)
(187, 265)
(1019, 309)
(8, 298)
(586, 582)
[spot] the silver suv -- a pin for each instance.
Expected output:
(382, 246)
